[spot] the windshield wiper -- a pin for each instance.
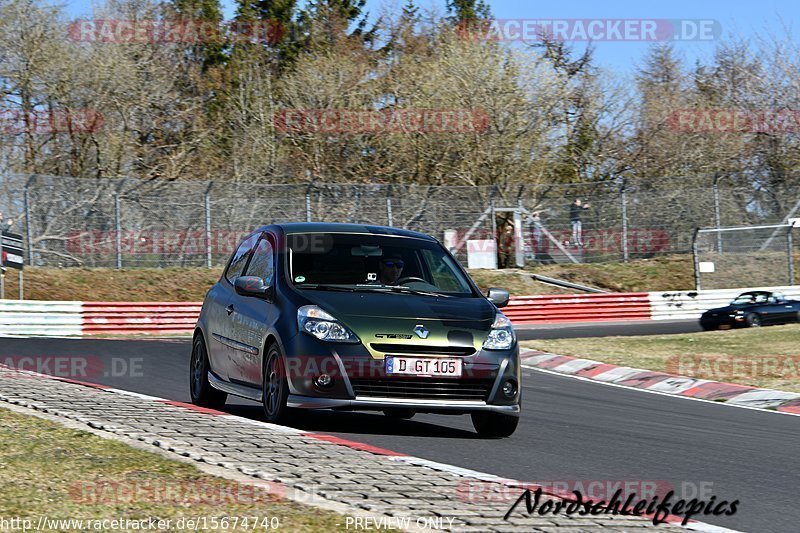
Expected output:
(323, 287)
(401, 289)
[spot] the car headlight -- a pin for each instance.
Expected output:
(314, 321)
(501, 336)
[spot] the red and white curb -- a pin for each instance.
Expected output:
(731, 394)
(692, 525)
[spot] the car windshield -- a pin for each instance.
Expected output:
(750, 298)
(367, 262)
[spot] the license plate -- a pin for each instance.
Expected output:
(416, 366)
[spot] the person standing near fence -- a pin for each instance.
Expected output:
(575, 210)
(5, 227)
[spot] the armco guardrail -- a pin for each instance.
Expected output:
(31, 317)
(677, 305)
(57, 319)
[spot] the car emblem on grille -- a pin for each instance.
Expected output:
(421, 332)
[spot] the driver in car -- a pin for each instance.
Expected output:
(390, 269)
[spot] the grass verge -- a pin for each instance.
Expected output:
(761, 357)
(48, 470)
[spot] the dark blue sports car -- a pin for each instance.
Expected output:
(752, 309)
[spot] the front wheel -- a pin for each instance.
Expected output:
(494, 425)
(753, 320)
(275, 389)
(202, 392)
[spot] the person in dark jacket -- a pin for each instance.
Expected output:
(575, 210)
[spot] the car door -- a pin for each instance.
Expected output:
(784, 310)
(253, 317)
(221, 345)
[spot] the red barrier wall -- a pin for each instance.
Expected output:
(116, 318)
(153, 318)
(578, 308)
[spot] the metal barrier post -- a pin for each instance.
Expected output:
(207, 203)
(2, 270)
(623, 196)
(789, 250)
(717, 217)
(696, 260)
(118, 239)
(28, 219)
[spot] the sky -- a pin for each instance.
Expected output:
(752, 21)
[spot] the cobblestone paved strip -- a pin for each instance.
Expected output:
(393, 486)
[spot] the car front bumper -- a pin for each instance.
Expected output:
(360, 382)
(366, 403)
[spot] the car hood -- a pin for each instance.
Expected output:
(411, 324)
(395, 306)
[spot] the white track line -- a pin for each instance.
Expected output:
(724, 404)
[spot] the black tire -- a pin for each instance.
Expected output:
(708, 327)
(202, 392)
(275, 387)
(752, 320)
(494, 425)
(400, 414)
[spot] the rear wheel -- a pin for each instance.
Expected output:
(752, 320)
(275, 389)
(494, 425)
(202, 392)
(401, 414)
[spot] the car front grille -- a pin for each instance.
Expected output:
(422, 349)
(419, 389)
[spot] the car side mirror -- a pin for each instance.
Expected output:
(252, 286)
(498, 297)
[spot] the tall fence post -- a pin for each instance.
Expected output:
(2, 270)
(389, 217)
(308, 202)
(789, 250)
(696, 260)
(624, 199)
(207, 205)
(27, 203)
(118, 225)
(494, 218)
(717, 217)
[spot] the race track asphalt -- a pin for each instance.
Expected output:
(570, 430)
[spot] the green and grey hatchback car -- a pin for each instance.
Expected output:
(355, 317)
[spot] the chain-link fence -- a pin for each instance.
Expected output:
(747, 256)
(135, 223)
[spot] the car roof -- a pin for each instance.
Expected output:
(754, 293)
(336, 227)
